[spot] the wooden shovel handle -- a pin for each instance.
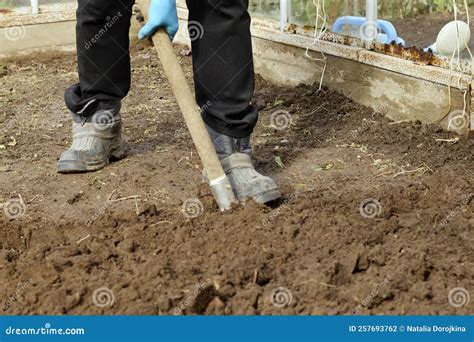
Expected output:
(185, 99)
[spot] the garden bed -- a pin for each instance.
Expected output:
(123, 229)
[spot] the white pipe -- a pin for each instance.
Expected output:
(34, 6)
(283, 14)
(371, 17)
(290, 14)
(371, 10)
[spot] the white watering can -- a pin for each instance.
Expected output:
(447, 41)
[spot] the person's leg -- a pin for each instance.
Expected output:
(104, 79)
(224, 85)
(102, 54)
(223, 64)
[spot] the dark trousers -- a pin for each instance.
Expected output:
(222, 60)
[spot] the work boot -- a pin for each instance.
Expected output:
(234, 154)
(97, 140)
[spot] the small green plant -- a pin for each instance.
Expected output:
(444, 5)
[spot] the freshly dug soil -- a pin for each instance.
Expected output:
(376, 218)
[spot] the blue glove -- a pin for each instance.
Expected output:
(162, 13)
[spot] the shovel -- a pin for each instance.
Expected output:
(218, 181)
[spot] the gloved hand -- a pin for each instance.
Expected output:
(162, 13)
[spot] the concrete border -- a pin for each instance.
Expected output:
(52, 29)
(397, 96)
(400, 89)
(47, 14)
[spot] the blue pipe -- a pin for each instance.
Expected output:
(390, 33)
